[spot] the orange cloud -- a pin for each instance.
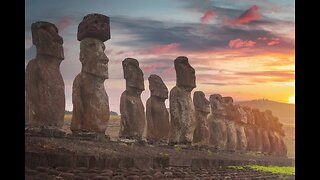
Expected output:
(207, 16)
(238, 43)
(160, 49)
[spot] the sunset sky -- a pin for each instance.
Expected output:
(239, 48)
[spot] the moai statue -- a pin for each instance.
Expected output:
(265, 134)
(158, 124)
(280, 134)
(216, 121)
(258, 131)
(202, 109)
(250, 130)
(274, 143)
(240, 122)
(131, 107)
(182, 111)
(230, 122)
(91, 113)
(45, 98)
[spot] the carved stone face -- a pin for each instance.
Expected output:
(94, 60)
(250, 117)
(47, 40)
(157, 87)
(215, 101)
(228, 100)
(133, 74)
(185, 73)
(200, 102)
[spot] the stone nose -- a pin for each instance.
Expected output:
(104, 59)
(59, 39)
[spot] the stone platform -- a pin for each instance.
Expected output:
(73, 152)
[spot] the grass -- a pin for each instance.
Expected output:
(285, 170)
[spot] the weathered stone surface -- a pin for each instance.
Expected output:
(156, 112)
(90, 100)
(131, 107)
(230, 122)
(250, 129)
(240, 122)
(45, 98)
(202, 109)
(95, 26)
(181, 106)
(185, 73)
(216, 120)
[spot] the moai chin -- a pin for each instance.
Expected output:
(181, 106)
(217, 125)
(131, 107)
(202, 109)
(45, 98)
(90, 101)
(156, 112)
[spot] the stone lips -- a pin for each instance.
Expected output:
(94, 26)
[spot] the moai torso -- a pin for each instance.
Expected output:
(181, 106)
(249, 130)
(258, 131)
(216, 121)
(230, 121)
(156, 112)
(45, 98)
(131, 107)
(90, 100)
(240, 122)
(202, 109)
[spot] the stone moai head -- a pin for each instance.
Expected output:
(95, 26)
(250, 117)
(242, 114)
(228, 100)
(133, 75)
(93, 30)
(265, 120)
(94, 60)
(185, 73)
(257, 117)
(157, 87)
(47, 40)
(216, 101)
(200, 102)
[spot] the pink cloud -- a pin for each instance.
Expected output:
(239, 43)
(272, 43)
(160, 49)
(275, 39)
(63, 23)
(149, 68)
(205, 18)
(249, 15)
(262, 38)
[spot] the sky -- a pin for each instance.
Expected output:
(239, 48)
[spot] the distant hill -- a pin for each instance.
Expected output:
(284, 111)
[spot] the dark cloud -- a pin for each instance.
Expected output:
(189, 36)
